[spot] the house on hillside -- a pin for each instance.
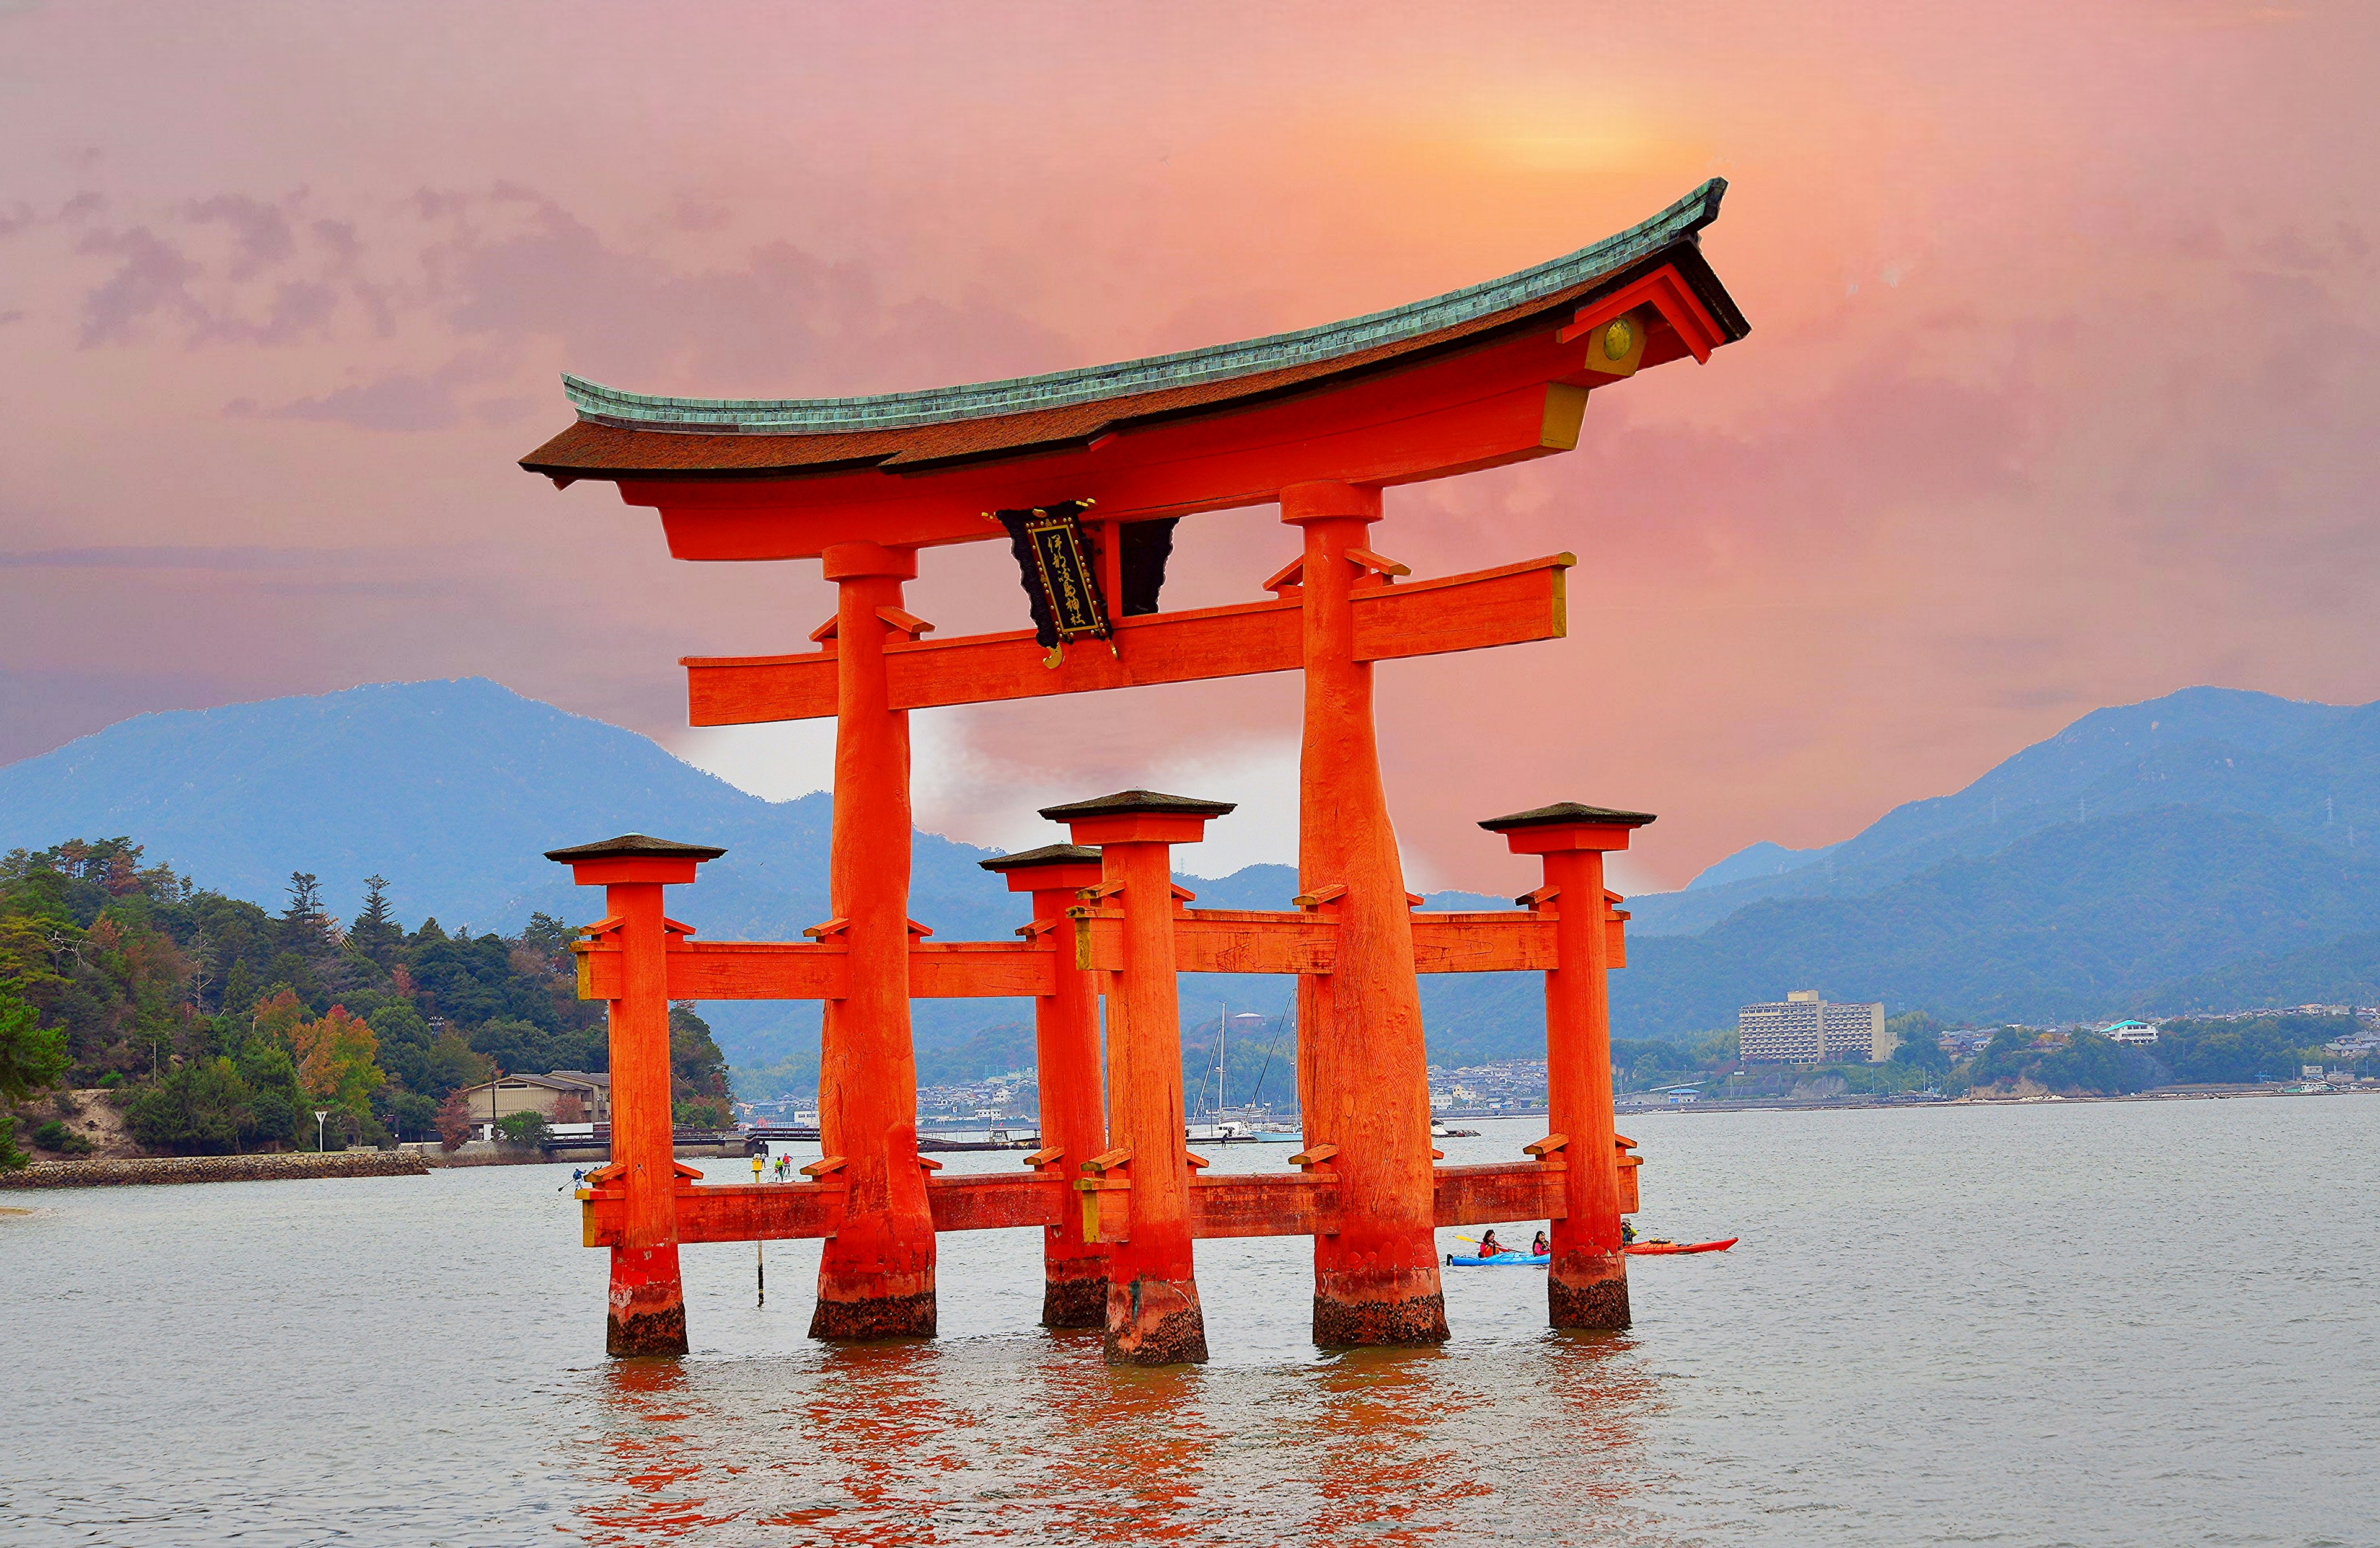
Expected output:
(494, 1101)
(2129, 1031)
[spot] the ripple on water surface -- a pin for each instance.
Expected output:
(2080, 1322)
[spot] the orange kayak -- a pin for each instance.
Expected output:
(1646, 1248)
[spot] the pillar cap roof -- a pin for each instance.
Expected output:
(1127, 803)
(1049, 854)
(1564, 812)
(634, 846)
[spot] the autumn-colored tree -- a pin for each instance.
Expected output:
(123, 874)
(454, 1122)
(568, 1109)
(335, 1062)
(278, 1015)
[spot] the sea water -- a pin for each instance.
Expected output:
(2089, 1323)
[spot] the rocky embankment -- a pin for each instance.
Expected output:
(215, 1169)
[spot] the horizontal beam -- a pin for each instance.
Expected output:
(782, 1212)
(804, 970)
(1206, 941)
(1509, 605)
(982, 970)
(1484, 942)
(1497, 1192)
(1240, 1204)
(1219, 941)
(726, 1212)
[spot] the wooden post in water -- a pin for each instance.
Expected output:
(1066, 1048)
(876, 1276)
(1364, 1075)
(1587, 1284)
(1153, 1315)
(646, 1312)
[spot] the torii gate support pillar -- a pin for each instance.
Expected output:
(1587, 1284)
(876, 1276)
(1153, 1315)
(1066, 1048)
(647, 1307)
(1364, 1078)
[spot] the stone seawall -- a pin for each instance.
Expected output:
(215, 1169)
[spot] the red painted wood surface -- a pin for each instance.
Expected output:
(1073, 1110)
(1217, 941)
(1361, 1074)
(647, 1299)
(1510, 398)
(1511, 605)
(1153, 1312)
(1237, 1204)
(1497, 1192)
(876, 1276)
(1587, 1280)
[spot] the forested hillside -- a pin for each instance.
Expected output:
(224, 1027)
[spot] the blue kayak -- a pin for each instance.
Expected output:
(1501, 1261)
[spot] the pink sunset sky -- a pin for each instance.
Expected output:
(2060, 390)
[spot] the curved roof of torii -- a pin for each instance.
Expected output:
(632, 435)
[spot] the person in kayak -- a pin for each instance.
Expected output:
(1627, 1233)
(1491, 1248)
(1541, 1246)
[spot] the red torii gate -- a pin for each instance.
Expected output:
(1320, 421)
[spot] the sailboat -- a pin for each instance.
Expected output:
(1242, 1128)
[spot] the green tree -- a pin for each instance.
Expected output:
(452, 1064)
(1917, 1042)
(276, 1104)
(198, 1109)
(522, 1129)
(698, 1070)
(30, 1056)
(375, 934)
(548, 937)
(409, 1114)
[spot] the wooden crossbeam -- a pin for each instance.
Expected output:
(1507, 606)
(805, 970)
(1217, 941)
(1238, 1205)
(1206, 941)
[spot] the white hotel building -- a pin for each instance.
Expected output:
(1801, 1029)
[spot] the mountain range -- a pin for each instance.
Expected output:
(2211, 847)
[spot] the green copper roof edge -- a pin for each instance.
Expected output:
(1060, 389)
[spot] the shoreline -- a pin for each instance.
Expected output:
(2167, 1093)
(135, 1171)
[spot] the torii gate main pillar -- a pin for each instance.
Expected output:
(1363, 1079)
(876, 1277)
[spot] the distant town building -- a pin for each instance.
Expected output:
(1801, 1029)
(2129, 1031)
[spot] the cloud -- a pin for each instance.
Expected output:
(153, 277)
(260, 230)
(402, 400)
